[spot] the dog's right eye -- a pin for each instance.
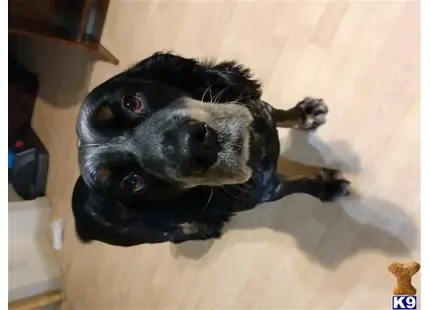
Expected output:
(132, 183)
(133, 103)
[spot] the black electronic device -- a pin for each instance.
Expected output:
(30, 166)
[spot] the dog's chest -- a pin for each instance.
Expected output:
(264, 136)
(264, 148)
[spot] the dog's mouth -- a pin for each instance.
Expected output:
(230, 123)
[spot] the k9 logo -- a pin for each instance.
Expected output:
(404, 302)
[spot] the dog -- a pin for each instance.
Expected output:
(172, 148)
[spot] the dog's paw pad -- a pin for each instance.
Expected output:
(314, 112)
(335, 184)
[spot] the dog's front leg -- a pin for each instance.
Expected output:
(327, 185)
(308, 114)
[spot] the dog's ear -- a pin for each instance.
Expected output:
(100, 219)
(227, 81)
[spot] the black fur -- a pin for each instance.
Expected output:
(164, 210)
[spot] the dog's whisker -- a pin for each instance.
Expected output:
(207, 203)
(229, 193)
(240, 97)
(242, 187)
(204, 94)
(220, 94)
(210, 93)
(89, 145)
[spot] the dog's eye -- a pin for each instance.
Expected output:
(133, 103)
(133, 183)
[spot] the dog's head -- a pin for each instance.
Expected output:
(147, 138)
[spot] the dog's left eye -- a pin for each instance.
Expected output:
(133, 183)
(133, 103)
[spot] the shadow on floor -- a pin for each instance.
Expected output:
(328, 233)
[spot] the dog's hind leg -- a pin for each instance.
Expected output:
(308, 114)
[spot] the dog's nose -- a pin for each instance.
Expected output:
(199, 146)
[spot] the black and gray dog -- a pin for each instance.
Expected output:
(172, 148)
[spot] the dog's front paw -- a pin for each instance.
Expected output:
(335, 185)
(314, 112)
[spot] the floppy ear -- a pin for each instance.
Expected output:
(205, 80)
(97, 219)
